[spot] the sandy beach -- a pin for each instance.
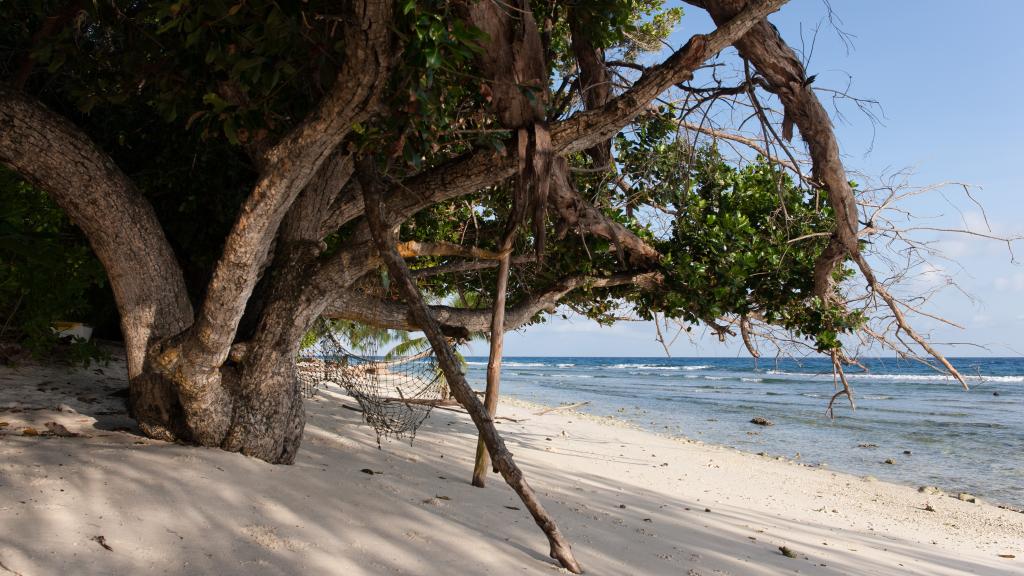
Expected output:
(80, 493)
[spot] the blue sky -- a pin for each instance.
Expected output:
(949, 82)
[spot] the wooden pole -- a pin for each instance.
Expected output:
(372, 196)
(494, 360)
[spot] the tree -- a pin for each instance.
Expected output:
(247, 118)
(217, 157)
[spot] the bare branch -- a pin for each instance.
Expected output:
(414, 249)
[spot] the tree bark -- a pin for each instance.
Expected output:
(372, 191)
(594, 84)
(269, 416)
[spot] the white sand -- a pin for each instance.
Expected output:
(631, 502)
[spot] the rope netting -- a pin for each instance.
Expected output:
(396, 392)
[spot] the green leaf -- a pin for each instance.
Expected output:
(214, 99)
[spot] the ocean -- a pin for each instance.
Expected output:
(961, 441)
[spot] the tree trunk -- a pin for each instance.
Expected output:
(194, 359)
(269, 416)
(125, 235)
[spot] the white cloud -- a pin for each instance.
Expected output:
(930, 276)
(954, 249)
(1014, 282)
(981, 320)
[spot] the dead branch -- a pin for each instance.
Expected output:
(373, 200)
(837, 368)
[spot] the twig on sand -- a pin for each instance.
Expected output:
(9, 570)
(516, 420)
(560, 408)
(102, 541)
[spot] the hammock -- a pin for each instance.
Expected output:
(395, 394)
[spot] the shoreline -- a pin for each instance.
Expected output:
(629, 500)
(907, 427)
(616, 421)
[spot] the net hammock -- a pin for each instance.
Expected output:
(396, 393)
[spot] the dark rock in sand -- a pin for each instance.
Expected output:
(761, 421)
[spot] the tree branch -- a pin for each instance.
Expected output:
(470, 266)
(560, 549)
(361, 307)
(481, 168)
(414, 249)
(288, 167)
(588, 128)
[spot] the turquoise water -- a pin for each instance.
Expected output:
(969, 441)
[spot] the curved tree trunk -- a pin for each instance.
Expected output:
(194, 360)
(122, 228)
(258, 409)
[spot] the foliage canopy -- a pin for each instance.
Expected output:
(185, 94)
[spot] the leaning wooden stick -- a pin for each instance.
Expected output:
(382, 236)
(494, 360)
